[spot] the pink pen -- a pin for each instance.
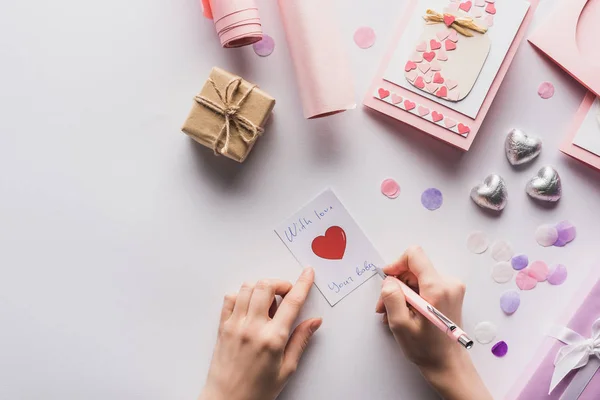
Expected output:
(435, 316)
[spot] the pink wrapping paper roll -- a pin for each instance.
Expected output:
(322, 66)
(237, 22)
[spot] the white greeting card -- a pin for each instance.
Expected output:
(588, 136)
(456, 71)
(324, 236)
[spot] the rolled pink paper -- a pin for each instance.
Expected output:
(237, 22)
(320, 60)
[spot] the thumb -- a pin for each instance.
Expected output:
(395, 303)
(298, 343)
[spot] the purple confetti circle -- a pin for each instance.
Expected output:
(558, 274)
(566, 233)
(510, 302)
(520, 262)
(265, 46)
(500, 349)
(432, 199)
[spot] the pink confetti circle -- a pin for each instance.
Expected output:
(364, 37)
(546, 90)
(524, 281)
(390, 188)
(265, 46)
(538, 270)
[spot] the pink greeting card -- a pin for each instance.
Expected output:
(570, 38)
(446, 64)
(583, 141)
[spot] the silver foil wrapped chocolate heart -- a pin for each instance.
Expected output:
(491, 194)
(521, 147)
(546, 185)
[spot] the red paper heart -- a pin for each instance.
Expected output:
(491, 8)
(449, 19)
(429, 56)
(383, 93)
(420, 83)
(450, 45)
(443, 92)
(409, 105)
(466, 6)
(410, 66)
(438, 78)
(434, 44)
(462, 129)
(436, 116)
(332, 245)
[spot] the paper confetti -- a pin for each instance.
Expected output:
(557, 274)
(485, 332)
(546, 90)
(477, 242)
(502, 272)
(500, 349)
(390, 188)
(566, 233)
(519, 262)
(432, 199)
(524, 281)
(364, 37)
(546, 235)
(510, 302)
(538, 270)
(265, 46)
(501, 251)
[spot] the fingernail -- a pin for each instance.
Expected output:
(306, 271)
(316, 325)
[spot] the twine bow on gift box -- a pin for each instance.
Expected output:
(230, 112)
(581, 354)
(462, 25)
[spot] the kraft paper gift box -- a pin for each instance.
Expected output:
(228, 115)
(568, 369)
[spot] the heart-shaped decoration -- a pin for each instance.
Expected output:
(409, 105)
(412, 75)
(453, 36)
(490, 8)
(448, 20)
(480, 3)
(477, 13)
(453, 95)
(452, 7)
(441, 35)
(424, 67)
(416, 57)
(466, 6)
(434, 44)
(396, 99)
(443, 92)
(383, 93)
(521, 148)
(546, 185)
(436, 116)
(491, 194)
(450, 123)
(332, 245)
(428, 77)
(410, 66)
(450, 84)
(429, 56)
(463, 129)
(438, 78)
(441, 55)
(435, 66)
(422, 47)
(489, 20)
(450, 45)
(419, 82)
(423, 111)
(431, 88)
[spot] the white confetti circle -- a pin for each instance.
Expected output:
(477, 242)
(546, 235)
(485, 332)
(501, 251)
(502, 272)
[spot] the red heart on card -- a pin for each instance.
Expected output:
(462, 129)
(466, 6)
(450, 45)
(409, 105)
(434, 44)
(420, 83)
(438, 78)
(491, 8)
(383, 93)
(410, 66)
(332, 245)
(436, 116)
(443, 92)
(449, 19)
(429, 56)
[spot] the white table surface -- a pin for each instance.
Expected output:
(119, 235)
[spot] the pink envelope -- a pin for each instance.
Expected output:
(570, 37)
(575, 151)
(438, 130)
(579, 317)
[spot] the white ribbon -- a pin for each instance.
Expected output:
(578, 353)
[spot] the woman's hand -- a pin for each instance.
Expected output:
(255, 354)
(442, 361)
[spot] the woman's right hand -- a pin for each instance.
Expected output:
(442, 361)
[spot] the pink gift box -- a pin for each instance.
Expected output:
(579, 317)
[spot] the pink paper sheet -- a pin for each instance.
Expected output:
(570, 38)
(318, 53)
(579, 316)
(439, 132)
(575, 151)
(237, 22)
